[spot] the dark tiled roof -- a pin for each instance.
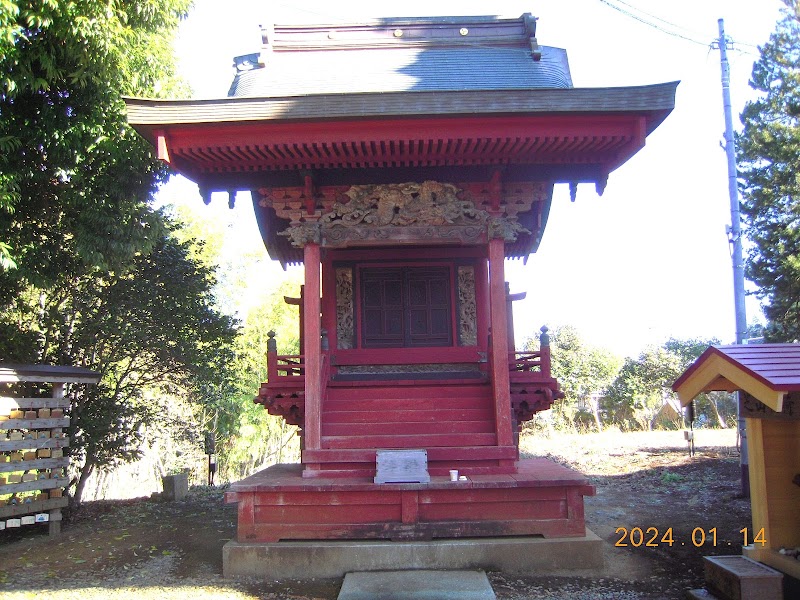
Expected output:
(776, 365)
(654, 101)
(378, 70)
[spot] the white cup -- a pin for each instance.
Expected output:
(454, 475)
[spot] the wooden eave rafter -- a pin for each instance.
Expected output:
(202, 151)
(714, 370)
(578, 134)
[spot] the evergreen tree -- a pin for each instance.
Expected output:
(769, 161)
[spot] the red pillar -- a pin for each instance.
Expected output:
(312, 358)
(499, 349)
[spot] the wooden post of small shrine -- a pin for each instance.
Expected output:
(312, 356)
(499, 349)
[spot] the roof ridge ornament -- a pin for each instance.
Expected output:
(530, 28)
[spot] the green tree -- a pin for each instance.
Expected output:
(769, 162)
(251, 437)
(90, 274)
(150, 332)
(583, 372)
(640, 390)
(74, 178)
(644, 385)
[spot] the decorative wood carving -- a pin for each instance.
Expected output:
(302, 233)
(467, 309)
(404, 204)
(345, 328)
(405, 213)
(505, 229)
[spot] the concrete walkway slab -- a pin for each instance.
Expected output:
(417, 585)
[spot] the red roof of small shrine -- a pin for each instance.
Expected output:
(766, 371)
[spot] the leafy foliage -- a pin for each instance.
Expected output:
(74, 178)
(769, 160)
(90, 274)
(643, 387)
(583, 372)
(151, 332)
(249, 437)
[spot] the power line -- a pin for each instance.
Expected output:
(644, 21)
(657, 18)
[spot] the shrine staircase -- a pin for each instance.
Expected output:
(452, 419)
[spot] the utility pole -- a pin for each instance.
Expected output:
(735, 239)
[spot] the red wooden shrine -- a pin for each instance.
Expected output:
(402, 162)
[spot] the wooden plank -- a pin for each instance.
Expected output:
(313, 359)
(29, 465)
(33, 507)
(428, 389)
(409, 503)
(509, 494)
(392, 441)
(314, 498)
(328, 515)
(758, 480)
(374, 417)
(31, 486)
(499, 350)
(444, 405)
(34, 423)
(34, 444)
(8, 403)
(549, 528)
(477, 511)
(410, 426)
(407, 356)
(434, 454)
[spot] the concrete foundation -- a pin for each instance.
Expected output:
(330, 559)
(417, 585)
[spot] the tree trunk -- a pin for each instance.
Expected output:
(88, 469)
(720, 420)
(596, 413)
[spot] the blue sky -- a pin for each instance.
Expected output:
(648, 260)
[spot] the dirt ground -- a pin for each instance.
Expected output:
(152, 549)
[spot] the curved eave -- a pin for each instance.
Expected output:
(566, 134)
(653, 101)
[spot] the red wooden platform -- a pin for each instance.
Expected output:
(541, 498)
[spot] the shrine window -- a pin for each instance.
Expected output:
(406, 307)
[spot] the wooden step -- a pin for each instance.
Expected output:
(412, 383)
(410, 425)
(367, 455)
(399, 392)
(389, 441)
(415, 415)
(387, 404)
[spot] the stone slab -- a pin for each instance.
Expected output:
(702, 594)
(401, 466)
(330, 559)
(740, 578)
(176, 487)
(417, 585)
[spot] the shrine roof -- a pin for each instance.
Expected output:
(654, 101)
(766, 371)
(401, 54)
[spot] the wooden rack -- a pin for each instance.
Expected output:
(33, 439)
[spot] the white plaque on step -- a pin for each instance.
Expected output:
(402, 466)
